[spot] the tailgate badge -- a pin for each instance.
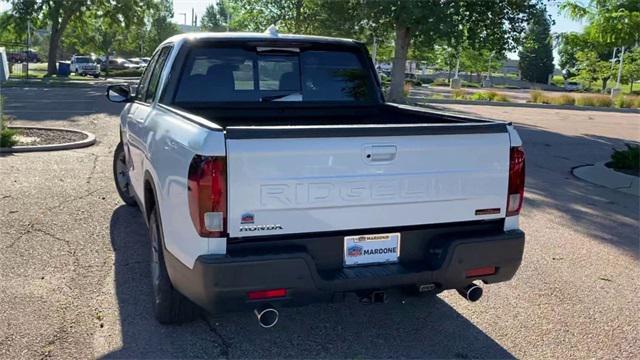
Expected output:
(247, 218)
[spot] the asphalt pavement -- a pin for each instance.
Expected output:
(74, 261)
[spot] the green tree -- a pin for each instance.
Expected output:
(570, 44)
(411, 23)
(631, 69)
(536, 55)
(58, 14)
(615, 22)
(296, 16)
(592, 68)
(210, 20)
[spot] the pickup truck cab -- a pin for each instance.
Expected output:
(85, 65)
(272, 173)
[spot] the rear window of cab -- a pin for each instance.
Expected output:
(237, 74)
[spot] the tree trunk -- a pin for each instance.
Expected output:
(402, 41)
(604, 84)
(297, 18)
(631, 86)
(54, 42)
(57, 29)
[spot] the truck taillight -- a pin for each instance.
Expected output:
(516, 181)
(207, 186)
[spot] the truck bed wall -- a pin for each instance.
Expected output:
(278, 115)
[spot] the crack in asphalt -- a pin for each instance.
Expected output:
(224, 344)
(93, 167)
(28, 229)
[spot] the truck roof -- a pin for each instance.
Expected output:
(267, 36)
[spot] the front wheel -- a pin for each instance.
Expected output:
(169, 305)
(121, 176)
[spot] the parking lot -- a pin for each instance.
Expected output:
(74, 261)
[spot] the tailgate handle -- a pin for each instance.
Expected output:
(380, 153)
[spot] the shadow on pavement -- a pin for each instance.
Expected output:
(601, 213)
(598, 212)
(70, 104)
(419, 327)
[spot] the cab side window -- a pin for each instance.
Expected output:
(154, 80)
(144, 80)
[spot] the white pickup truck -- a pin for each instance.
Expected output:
(271, 173)
(85, 65)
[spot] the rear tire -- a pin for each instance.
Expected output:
(121, 176)
(169, 306)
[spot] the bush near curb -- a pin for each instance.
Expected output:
(627, 160)
(8, 137)
(123, 73)
(440, 82)
(488, 96)
(459, 94)
(539, 97)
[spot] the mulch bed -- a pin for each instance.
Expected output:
(33, 137)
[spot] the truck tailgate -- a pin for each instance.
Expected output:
(305, 180)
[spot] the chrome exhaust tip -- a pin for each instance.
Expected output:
(267, 316)
(471, 292)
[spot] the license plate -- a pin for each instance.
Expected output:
(371, 249)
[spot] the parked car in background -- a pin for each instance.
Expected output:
(573, 86)
(23, 56)
(138, 61)
(145, 59)
(121, 64)
(85, 65)
(271, 172)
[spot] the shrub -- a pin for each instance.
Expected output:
(585, 100)
(480, 96)
(406, 89)
(437, 96)
(459, 94)
(563, 99)
(8, 137)
(536, 96)
(628, 159)
(440, 82)
(626, 101)
(501, 98)
(470, 84)
(124, 73)
(602, 100)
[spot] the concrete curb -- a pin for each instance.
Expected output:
(420, 101)
(600, 174)
(90, 140)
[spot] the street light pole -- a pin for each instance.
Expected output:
(617, 89)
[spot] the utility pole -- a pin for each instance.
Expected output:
(374, 52)
(617, 89)
(28, 46)
(228, 20)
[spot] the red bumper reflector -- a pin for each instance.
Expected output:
(267, 294)
(483, 271)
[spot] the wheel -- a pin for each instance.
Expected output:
(95, 76)
(121, 176)
(169, 306)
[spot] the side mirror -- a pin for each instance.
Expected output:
(119, 93)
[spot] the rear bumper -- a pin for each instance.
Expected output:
(220, 283)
